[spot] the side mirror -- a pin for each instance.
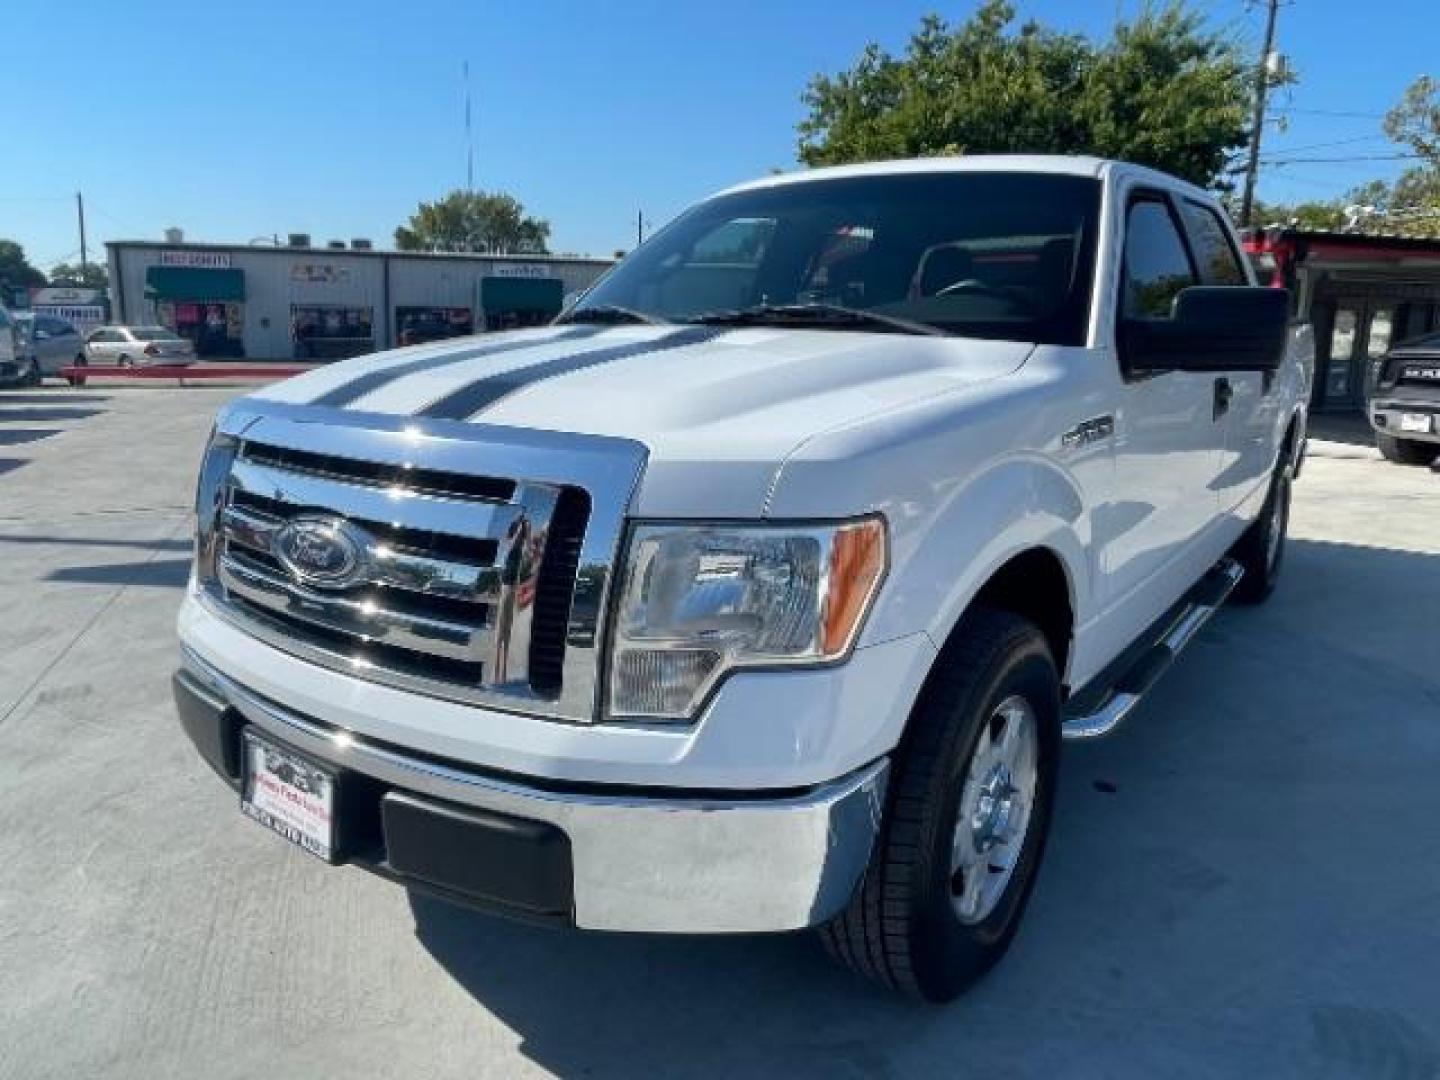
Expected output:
(1213, 328)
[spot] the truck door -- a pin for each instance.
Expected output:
(1249, 412)
(1168, 437)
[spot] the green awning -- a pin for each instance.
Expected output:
(193, 283)
(542, 295)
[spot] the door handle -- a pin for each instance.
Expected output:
(1223, 393)
(1094, 430)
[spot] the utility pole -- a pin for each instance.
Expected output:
(80, 210)
(1257, 120)
(469, 135)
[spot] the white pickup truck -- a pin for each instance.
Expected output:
(759, 591)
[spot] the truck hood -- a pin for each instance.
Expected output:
(718, 409)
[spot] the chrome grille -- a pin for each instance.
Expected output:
(465, 587)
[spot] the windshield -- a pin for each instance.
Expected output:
(154, 333)
(998, 255)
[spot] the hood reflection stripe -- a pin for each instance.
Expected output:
(370, 381)
(477, 396)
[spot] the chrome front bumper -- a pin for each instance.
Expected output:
(655, 862)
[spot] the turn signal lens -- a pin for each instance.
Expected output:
(857, 559)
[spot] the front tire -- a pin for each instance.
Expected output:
(1405, 451)
(969, 808)
(33, 375)
(1261, 550)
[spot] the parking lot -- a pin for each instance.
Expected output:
(1243, 882)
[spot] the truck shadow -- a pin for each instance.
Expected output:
(1196, 862)
(1349, 428)
(152, 573)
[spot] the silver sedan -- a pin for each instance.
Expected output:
(135, 346)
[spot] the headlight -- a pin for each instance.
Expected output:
(209, 494)
(698, 601)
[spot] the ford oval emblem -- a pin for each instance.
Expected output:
(326, 552)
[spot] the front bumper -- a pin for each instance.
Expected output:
(1385, 417)
(598, 856)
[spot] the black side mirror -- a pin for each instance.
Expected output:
(1213, 328)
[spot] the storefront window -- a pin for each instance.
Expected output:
(415, 325)
(215, 329)
(1342, 349)
(1381, 324)
(1377, 344)
(331, 331)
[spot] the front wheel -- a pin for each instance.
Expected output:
(968, 814)
(1406, 451)
(33, 375)
(1261, 550)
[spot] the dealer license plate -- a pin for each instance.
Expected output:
(289, 794)
(1415, 422)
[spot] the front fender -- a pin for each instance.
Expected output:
(1016, 504)
(957, 508)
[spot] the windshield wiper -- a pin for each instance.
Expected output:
(814, 315)
(609, 315)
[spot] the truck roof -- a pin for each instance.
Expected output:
(1063, 164)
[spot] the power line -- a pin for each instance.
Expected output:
(1272, 162)
(1334, 142)
(1329, 112)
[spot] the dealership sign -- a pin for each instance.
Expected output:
(51, 295)
(202, 260)
(85, 317)
(523, 270)
(319, 273)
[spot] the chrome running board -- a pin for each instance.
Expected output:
(1127, 691)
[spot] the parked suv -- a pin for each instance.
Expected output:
(49, 344)
(1405, 407)
(11, 353)
(758, 593)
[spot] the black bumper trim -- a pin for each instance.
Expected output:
(497, 863)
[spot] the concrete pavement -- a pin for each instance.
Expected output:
(1244, 881)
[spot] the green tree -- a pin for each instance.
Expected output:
(90, 276)
(1410, 204)
(473, 221)
(1163, 91)
(16, 271)
(1415, 119)
(1328, 214)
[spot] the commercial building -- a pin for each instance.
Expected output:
(85, 308)
(1361, 292)
(302, 302)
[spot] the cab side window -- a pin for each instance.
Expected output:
(1156, 264)
(1219, 263)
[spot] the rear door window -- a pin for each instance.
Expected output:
(1156, 264)
(1218, 259)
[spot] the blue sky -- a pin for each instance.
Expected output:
(243, 119)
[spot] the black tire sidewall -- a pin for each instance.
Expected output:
(954, 954)
(1279, 490)
(1405, 451)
